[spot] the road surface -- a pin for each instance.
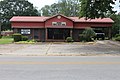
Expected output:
(59, 68)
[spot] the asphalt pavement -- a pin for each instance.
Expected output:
(59, 68)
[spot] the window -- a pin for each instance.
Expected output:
(63, 23)
(25, 31)
(54, 23)
(59, 23)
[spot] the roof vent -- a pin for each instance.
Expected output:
(58, 17)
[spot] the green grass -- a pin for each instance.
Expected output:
(6, 40)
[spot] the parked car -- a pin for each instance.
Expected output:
(99, 34)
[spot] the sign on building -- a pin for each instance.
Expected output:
(25, 31)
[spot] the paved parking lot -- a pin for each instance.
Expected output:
(61, 48)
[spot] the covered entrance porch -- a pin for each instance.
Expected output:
(57, 34)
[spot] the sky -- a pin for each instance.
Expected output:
(42, 3)
(116, 7)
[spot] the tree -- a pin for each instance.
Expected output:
(45, 10)
(69, 7)
(96, 8)
(0, 29)
(9, 8)
(65, 7)
(116, 25)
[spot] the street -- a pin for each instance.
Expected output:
(59, 68)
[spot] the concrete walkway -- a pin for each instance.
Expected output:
(61, 48)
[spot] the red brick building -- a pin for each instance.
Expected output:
(57, 27)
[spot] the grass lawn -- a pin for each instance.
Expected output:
(6, 40)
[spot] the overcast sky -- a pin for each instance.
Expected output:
(42, 3)
(116, 7)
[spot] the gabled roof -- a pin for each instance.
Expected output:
(59, 15)
(42, 19)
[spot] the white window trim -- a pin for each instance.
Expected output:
(63, 23)
(54, 23)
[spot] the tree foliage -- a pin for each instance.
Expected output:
(96, 8)
(116, 25)
(9, 8)
(65, 7)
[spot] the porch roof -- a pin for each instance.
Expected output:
(100, 20)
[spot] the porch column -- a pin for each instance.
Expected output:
(109, 33)
(46, 34)
(71, 31)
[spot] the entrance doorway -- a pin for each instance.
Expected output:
(58, 34)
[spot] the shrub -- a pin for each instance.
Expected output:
(81, 37)
(69, 39)
(88, 33)
(7, 36)
(24, 38)
(117, 35)
(117, 38)
(17, 37)
(33, 40)
(0, 36)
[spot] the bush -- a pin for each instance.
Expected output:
(24, 38)
(0, 36)
(33, 40)
(117, 38)
(69, 39)
(17, 37)
(88, 33)
(117, 35)
(81, 37)
(7, 36)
